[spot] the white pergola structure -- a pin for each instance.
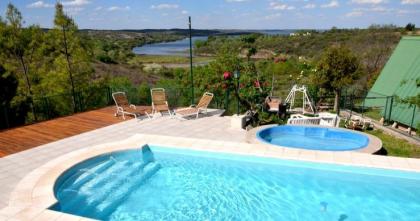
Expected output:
(306, 101)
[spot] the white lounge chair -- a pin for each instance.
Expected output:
(125, 108)
(159, 102)
(195, 109)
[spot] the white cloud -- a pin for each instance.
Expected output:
(76, 2)
(184, 12)
(40, 4)
(272, 16)
(332, 4)
(354, 14)
(309, 6)
(373, 2)
(164, 6)
(280, 6)
(410, 2)
(118, 8)
(73, 10)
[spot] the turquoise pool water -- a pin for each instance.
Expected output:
(313, 138)
(169, 184)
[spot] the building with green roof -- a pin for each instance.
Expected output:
(398, 81)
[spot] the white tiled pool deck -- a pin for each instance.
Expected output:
(27, 178)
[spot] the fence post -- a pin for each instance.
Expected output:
(386, 110)
(390, 108)
(412, 117)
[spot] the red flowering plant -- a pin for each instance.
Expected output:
(227, 75)
(251, 92)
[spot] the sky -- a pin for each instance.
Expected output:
(222, 14)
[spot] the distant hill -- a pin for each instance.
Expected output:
(198, 32)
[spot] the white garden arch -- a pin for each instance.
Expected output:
(306, 101)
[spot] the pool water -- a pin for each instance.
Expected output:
(159, 183)
(313, 138)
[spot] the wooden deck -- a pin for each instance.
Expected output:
(26, 137)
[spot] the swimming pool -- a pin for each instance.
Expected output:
(313, 138)
(158, 183)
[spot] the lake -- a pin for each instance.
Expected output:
(180, 47)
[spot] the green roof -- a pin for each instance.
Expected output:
(399, 78)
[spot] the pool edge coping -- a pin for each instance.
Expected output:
(374, 145)
(34, 194)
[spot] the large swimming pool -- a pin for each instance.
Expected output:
(313, 138)
(158, 183)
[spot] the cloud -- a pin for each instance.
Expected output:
(76, 2)
(184, 12)
(164, 6)
(118, 8)
(236, 1)
(332, 4)
(410, 2)
(354, 14)
(357, 12)
(280, 6)
(309, 6)
(40, 4)
(372, 2)
(272, 16)
(73, 10)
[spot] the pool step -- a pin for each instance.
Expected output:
(108, 189)
(105, 208)
(86, 189)
(82, 176)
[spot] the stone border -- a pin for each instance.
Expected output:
(35, 193)
(375, 144)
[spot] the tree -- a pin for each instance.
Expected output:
(20, 45)
(18, 48)
(337, 68)
(8, 86)
(410, 27)
(69, 53)
(249, 41)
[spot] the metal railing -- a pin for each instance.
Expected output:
(42, 108)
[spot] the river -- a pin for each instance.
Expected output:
(181, 47)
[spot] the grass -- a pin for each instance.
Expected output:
(374, 114)
(396, 146)
(167, 59)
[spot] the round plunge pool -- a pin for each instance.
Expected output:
(313, 138)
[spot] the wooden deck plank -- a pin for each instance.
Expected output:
(26, 137)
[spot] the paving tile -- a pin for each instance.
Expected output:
(207, 133)
(47, 215)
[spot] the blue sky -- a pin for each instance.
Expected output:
(236, 14)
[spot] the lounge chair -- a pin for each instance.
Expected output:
(159, 102)
(195, 109)
(125, 108)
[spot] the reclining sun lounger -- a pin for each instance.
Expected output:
(125, 108)
(159, 102)
(195, 109)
